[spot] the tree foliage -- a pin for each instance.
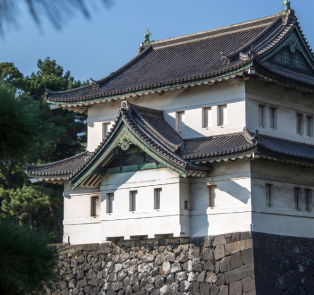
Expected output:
(57, 11)
(54, 135)
(27, 265)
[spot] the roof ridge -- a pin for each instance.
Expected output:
(213, 136)
(57, 162)
(212, 30)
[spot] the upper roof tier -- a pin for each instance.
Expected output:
(193, 57)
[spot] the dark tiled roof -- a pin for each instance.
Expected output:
(185, 59)
(217, 146)
(291, 149)
(60, 169)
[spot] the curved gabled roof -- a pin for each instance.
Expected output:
(63, 169)
(185, 59)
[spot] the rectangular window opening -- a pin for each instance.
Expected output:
(94, 201)
(186, 205)
(308, 200)
(110, 198)
(158, 193)
(309, 126)
(299, 124)
(273, 118)
(222, 115)
(211, 195)
(269, 195)
(105, 129)
(133, 196)
(261, 110)
(180, 121)
(297, 196)
(207, 117)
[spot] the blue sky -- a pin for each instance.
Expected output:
(96, 47)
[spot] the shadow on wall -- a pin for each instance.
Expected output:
(237, 191)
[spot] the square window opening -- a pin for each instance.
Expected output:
(262, 119)
(94, 203)
(308, 200)
(297, 196)
(157, 201)
(180, 121)
(207, 117)
(105, 129)
(299, 124)
(309, 126)
(211, 195)
(110, 202)
(133, 196)
(269, 195)
(222, 115)
(273, 118)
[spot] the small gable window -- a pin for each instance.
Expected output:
(158, 193)
(133, 196)
(207, 117)
(299, 124)
(273, 118)
(222, 115)
(309, 126)
(261, 114)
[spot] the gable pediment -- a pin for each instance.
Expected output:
(292, 55)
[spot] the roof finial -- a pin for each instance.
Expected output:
(146, 37)
(287, 4)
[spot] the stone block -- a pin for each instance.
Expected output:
(194, 253)
(211, 278)
(219, 240)
(180, 276)
(82, 283)
(221, 279)
(207, 254)
(184, 286)
(214, 290)
(165, 268)
(239, 273)
(201, 277)
(159, 281)
(248, 284)
(170, 279)
(224, 290)
(235, 237)
(175, 267)
(235, 288)
(246, 235)
(247, 256)
(217, 267)
(238, 246)
(236, 260)
(225, 264)
(219, 252)
(64, 292)
(171, 257)
(72, 284)
(197, 268)
(204, 288)
(209, 266)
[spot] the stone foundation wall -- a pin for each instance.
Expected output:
(230, 264)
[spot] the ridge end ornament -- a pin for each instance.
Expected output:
(293, 46)
(287, 4)
(224, 59)
(146, 37)
(94, 85)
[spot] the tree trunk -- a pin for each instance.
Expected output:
(56, 224)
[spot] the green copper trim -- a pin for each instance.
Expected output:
(155, 89)
(124, 134)
(116, 170)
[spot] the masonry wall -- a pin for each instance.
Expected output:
(213, 265)
(232, 264)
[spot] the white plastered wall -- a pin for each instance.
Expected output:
(232, 205)
(282, 218)
(78, 224)
(287, 102)
(145, 221)
(192, 102)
